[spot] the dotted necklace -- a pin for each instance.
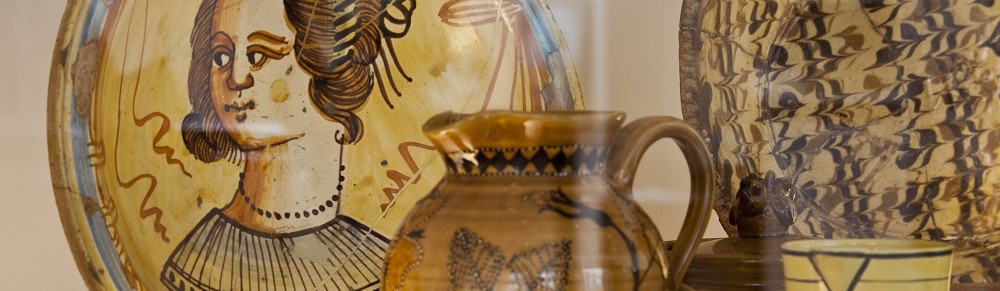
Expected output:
(304, 214)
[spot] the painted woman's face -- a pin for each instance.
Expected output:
(258, 90)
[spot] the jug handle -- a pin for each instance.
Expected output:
(627, 149)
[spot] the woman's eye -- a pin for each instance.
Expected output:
(256, 58)
(222, 59)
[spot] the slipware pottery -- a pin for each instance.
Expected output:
(867, 265)
(543, 201)
(271, 145)
(750, 260)
(882, 116)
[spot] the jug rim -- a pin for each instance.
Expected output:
(458, 132)
(524, 143)
(447, 119)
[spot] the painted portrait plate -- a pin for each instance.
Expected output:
(272, 145)
(878, 119)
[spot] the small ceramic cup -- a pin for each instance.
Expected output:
(866, 264)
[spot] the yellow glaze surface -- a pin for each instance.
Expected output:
(866, 264)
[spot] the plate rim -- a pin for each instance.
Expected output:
(68, 202)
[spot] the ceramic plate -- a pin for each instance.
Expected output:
(881, 117)
(261, 145)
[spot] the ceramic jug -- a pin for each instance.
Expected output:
(542, 201)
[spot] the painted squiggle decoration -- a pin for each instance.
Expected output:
(110, 211)
(144, 210)
(166, 151)
(97, 156)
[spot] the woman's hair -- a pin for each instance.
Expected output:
(203, 132)
(336, 48)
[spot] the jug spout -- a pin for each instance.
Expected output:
(457, 132)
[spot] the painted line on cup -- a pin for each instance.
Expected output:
(907, 281)
(869, 255)
(854, 281)
(802, 280)
(864, 265)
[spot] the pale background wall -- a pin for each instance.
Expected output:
(625, 52)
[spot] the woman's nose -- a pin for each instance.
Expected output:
(240, 69)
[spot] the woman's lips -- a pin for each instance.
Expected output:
(249, 105)
(241, 109)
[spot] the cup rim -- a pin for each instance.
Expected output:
(867, 247)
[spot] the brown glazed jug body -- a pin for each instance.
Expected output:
(542, 201)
